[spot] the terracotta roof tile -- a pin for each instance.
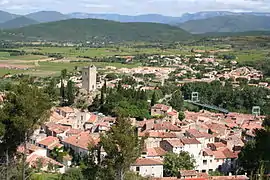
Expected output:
(156, 151)
(175, 142)
(66, 109)
(147, 162)
(81, 140)
(190, 141)
(50, 142)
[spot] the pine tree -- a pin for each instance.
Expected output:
(122, 146)
(177, 101)
(25, 108)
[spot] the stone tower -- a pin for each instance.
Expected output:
(89, 78)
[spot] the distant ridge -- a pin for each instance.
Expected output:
(232, 23)
(47, 16)
(5, 16)
(98, 30)
(18, 22)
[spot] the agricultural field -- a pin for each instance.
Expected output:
(43, 65)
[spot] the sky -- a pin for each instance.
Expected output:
(134, 7)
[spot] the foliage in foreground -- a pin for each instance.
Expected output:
(174, 162)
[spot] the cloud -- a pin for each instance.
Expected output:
(166, 7)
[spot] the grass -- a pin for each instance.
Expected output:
(45, 176)
(250, 55)
(73, 52)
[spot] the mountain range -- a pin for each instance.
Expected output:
(196, 23)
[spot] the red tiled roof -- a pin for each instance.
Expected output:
(66, 109)
(34, 158)
(175, 142)
(156, 151)
(50, 142)
(57, 128)
(82, 140)
(166, 126)
(154, 134)
(188, 172)
(190, 141)
(162, 107)
(197, 134)
(147, 161)
(238, 177)
(224, 153)
(72, 132)
(93, 118)
(172, 113)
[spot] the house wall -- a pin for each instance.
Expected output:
(77, 150)
(81, 118)
(149, 170)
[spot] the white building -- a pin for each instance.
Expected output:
(147, 167)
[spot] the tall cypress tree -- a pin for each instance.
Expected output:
(70, 93)
(62, 92)
(154, 99)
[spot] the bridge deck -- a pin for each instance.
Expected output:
(209, 106)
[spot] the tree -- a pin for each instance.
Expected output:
(266, 121)
(181, 116)
(70, 93)
(122, 146)
(154, 99)
(255, 154)
(62, 92)
(24, 109)
(177, 101)
(64, 74)
(50, 89)
(39, 164)
(73, 174)
(111, 76)
(175, 162)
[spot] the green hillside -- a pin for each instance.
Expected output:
(18, 22)
(234, 23)
(98, 30)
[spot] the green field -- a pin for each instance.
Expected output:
(250, 55)
(72, 52)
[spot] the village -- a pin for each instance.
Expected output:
(213, 139)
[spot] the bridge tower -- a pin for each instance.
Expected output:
(256, 110)
(195, 97)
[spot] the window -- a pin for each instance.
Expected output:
(81, 118)
(137, 169)
(93, 87)
(210, 170)
(204, 162)
(203, 171)
(210, 161)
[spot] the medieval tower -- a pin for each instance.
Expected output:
(89, 78)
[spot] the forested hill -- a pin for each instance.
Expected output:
(94, 29)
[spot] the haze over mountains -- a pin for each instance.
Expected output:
(55, 25)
